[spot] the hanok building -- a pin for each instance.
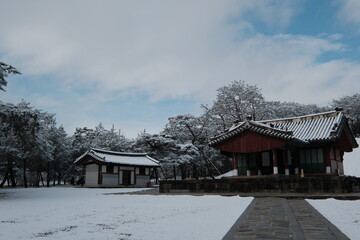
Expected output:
(115, 169)
(314, 143)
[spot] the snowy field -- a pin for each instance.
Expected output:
(343, 214)
(80, 213)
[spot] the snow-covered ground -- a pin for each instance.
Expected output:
(228, 174)
(352, 162)
(343, 214)
(80, 213)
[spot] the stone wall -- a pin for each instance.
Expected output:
(280, 183)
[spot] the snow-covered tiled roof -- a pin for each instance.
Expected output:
(315, 127)
(254, 127)
(121, 158)
(325, 126)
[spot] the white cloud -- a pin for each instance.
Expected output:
(170, 49)
(164, 47)
(349, 11)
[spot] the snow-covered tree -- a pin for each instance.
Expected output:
(159, 146)
(192, 134)
(113, 140)
(237, 101)
(21, 127)
(5, 70)
(277, 109)
(61, 167)
(351, 106)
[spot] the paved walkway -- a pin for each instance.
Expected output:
(280, 218)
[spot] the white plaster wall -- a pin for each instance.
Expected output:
(110, 180)
(91, 175)
(141, 181)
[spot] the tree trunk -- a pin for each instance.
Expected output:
(208, 166)
(24, 174)
(165, 175)
(156, 175)
(195, 173)
(54, 182)
(174, 169)
(12, 178)
(5, 178)
(183, 171)
(48, 174)
(59, 179)
(37, 180)
(42, 179)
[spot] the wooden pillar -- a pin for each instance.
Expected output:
(341, 161)
(327, 160)
(234, 161)
(248, 172)
(286, 159)
(100, 174)
(296, 161)
(336, 159)
(275, 165)
(259, 163)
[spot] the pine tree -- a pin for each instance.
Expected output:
(5, 70)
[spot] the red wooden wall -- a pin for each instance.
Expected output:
(249, 142)
(344, 143)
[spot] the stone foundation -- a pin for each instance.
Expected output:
(279, 183)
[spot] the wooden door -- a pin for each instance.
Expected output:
(126, 177)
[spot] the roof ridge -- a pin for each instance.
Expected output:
(268, 127)
(306, 117)
(120, 158)
(116, 153)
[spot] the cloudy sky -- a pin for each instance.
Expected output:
(136, 63)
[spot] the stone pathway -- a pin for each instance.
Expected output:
(280, 218)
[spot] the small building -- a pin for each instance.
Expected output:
(116, 169)
(313, 143)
